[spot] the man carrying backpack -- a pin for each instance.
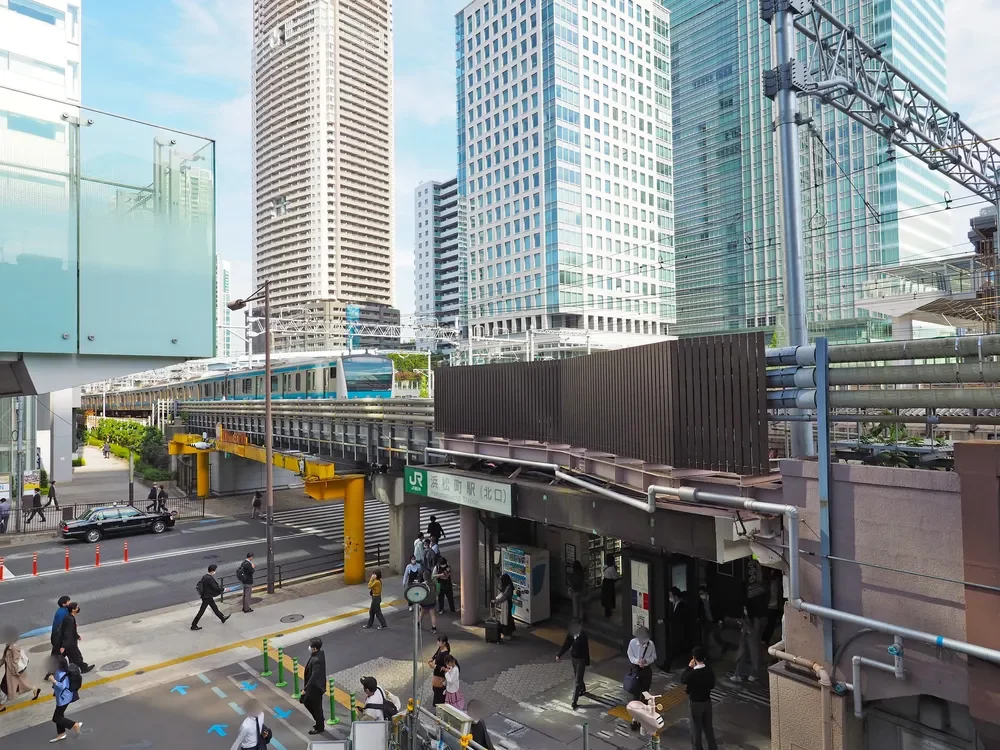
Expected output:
(244, 574)
(208, 588)
(378, 703)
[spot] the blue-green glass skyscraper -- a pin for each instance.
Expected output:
(864, 209)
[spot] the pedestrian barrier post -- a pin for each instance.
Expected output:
(34, 564)
(1, 568)
(333, 720)
(655, 741)
(586, 736)
(295, 678)
(354, 709)
(67, 558)
(267, 669)
(281, 668)
(126, 551)
(97, 557)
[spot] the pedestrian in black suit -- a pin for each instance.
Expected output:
(699, 680)
(69, 638)
(579, 650)
(208, 588)
(36, 508)
(315, 684)
(678, 623)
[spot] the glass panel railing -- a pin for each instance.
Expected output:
(38, 245)
(107, 233)
(147, 231)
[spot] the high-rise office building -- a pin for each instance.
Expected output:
(564, 157)
(440, 273)
(862, 209)
(224, 346)
(323, 150)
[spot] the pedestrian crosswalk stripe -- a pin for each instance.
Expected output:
(327, 522)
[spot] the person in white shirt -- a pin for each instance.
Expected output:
(248, 735)
(608, 596)
(641, 654)
(452, 685)
(375, 697)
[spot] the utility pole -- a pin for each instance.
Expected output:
(18, 484)
(782, 86)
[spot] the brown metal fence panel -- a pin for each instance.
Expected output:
(695, 403)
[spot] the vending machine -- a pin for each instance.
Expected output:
(528, 568)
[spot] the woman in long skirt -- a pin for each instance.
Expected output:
(15, 679)
(453, 687)
(506, 603)
(610, 575)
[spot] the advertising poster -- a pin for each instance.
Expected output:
(640, 595)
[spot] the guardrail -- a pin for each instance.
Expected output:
(49, 518)
(297, 571)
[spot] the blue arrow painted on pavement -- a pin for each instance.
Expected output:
(219, 729)
(182, 689)
(247, 685)
(281, 713)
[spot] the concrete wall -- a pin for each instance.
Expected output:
(797, 717)
(235, 475)
(904, 519)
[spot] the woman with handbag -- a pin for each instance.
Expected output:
(642, 655)
(15, 666)
(438, 662)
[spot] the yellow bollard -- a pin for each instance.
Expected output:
(354, 531)
(204, 474)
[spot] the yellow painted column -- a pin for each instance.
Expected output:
(204, 473)
(354, 530)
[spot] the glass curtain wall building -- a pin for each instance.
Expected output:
(728, 233)
(863, 209)
(565, 160)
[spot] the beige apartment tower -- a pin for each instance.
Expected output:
(323, 145)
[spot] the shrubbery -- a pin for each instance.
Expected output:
(152, 460)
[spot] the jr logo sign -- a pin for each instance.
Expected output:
(416, 481)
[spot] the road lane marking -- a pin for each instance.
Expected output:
(7, 573)
(163, 555)
(204, 679)
(12, 601)
(284, 696)
(253, 643)
(218, 692)
(236, 708)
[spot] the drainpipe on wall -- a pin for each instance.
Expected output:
(825, 686)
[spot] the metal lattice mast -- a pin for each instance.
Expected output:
(853, 77)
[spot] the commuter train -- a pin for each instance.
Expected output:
(349, 376)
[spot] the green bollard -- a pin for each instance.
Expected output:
(333, 720)
(295, 678)
(267, 669)
(281, 668)
(354, 709)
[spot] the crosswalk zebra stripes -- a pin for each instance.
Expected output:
(327, 522)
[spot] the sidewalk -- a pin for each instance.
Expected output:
(155, 676)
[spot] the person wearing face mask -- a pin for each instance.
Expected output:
(413, 573)
(748, 655)
(579, 650)
(677, 620)
(642, 655)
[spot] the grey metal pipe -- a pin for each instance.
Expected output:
(897, 657)
(857, 662)
(913, 398)
(884, 351)
(890, 418)
(805, 377)
(649, 505)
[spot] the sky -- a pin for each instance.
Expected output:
(185, 64)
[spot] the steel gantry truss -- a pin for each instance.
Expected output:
(852, 76)
(855, 78)
(299, 326)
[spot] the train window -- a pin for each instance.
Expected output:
(298, 382)
(311, 381)
(274, 384)
(333, 375)
(246, 385)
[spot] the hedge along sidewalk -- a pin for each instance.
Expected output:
(160, 641)
(142, 471)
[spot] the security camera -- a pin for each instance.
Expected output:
(645, 713)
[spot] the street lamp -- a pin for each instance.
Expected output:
(264, 292)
